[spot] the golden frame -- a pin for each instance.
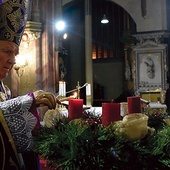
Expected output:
(150, 67)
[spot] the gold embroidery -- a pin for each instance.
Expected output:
(13, 17)
(16, 20)
(3, 97)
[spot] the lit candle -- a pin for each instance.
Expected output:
(68, 98)
(62, 88)
(134, 104)
(88, 90)
(123, 109)
(75, 109)
(110, 113)
(88, 95)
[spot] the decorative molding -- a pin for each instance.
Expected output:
(156, 37)
(32, 31)
(150, 47)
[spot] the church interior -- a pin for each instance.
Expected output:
(126, 57)
(103, 55)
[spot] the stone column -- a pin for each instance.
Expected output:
(88, 46)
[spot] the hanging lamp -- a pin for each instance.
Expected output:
(104, 20)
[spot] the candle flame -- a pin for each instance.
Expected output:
(75, 95)
(67, 98)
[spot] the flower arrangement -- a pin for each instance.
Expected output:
(84, 143)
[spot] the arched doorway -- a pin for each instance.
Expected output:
(109, 44)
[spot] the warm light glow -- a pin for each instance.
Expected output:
(75, 95)
(32, 32)
(67, 98)
(65, 36)
(25, 37)
(21, 61)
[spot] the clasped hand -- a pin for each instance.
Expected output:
(43, 98)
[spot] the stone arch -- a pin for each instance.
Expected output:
(156, 13)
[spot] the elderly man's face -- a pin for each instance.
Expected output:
(8, 51)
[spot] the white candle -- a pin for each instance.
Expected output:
(123, 109)
(88, 90)
(62, 88)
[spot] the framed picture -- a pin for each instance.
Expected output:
(150, 69)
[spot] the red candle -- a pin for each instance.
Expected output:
(75, 109)
(134, 104)
(110, 113)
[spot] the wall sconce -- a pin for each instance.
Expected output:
(32, 31)
(20, 64)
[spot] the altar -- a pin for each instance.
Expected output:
(155, 108)
(93, 143)
(150, 108)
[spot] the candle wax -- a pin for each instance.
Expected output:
(134, 104)
(88, 90)
(110, 113)
(75, 109)
(62, 88)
